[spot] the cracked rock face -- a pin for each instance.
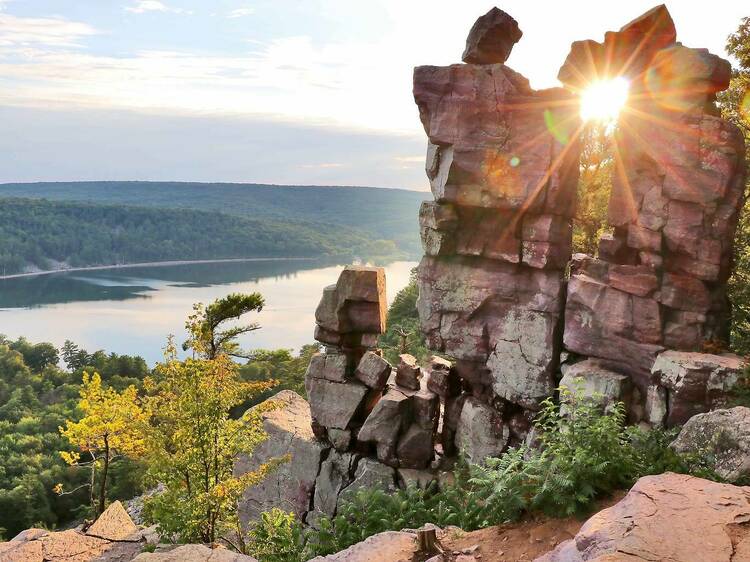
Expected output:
(667, 517)
(724, 435)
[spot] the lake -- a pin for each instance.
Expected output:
(133, 310)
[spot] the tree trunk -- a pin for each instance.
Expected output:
(427, 542)
(103, 487)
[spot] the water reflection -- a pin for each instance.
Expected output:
(132, 310)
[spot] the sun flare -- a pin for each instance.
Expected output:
(603, 100)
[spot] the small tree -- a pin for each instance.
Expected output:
(206, 336)
(193, 443)
(110, 427)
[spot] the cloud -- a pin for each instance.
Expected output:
(143, 6)
(240, 12)
(56, 32)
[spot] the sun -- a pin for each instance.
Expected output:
(603, 100)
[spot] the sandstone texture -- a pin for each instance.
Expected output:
(391, 546)
(194, 553)
(722, 436)
(667, 517)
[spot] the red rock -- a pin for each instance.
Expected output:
(637, 280)
(685, 293)
(408, 372)
(491, 38)
(644, 239)
(666, 517)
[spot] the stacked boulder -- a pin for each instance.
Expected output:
(378, 425)
(660, 278)
(502, 160)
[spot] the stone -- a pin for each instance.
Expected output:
(390, 545)
(370, 475)
(596, 383)
(373, 371)
(480, 433)
(356, 304)
(35, 545)
(290, 486)
(340, 438)
(408, 372)
(114, 524)
(441, 378)
(382, 426)
(666, 517)
(422, 479)
(696, 382)
(491, 38)
(426, 407)
(194, 553)
(415, 447)
(329, 366)
(721, 435)
(335, 475)
(334, 404)
(634, 279)
(656, 405)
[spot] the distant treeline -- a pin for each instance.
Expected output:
(40, 233)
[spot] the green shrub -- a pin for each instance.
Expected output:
(276, 537)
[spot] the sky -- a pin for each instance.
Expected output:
(266, 91)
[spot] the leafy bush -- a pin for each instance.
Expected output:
(276, 537)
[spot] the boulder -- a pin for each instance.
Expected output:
(722, 435)
(415, 447)
(335, 475)
(383, 425)
(329, 366)
(396, 546)
(408, 372)
(695, 382)
(597, 383)
(289, 487)
(114, 525)
(334, 404)
(481, 432)
(373, 371)
(356, 304)
(491, 38)
(369, 475)
(194, 553)
(666, 517)
(35, 545)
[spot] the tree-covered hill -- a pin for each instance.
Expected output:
(43, 234)
(389, 214)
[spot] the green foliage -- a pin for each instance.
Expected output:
(43, 234)
(208, 338)
(594, 187)
(276, 537)
(36, 397)
(735, 106)
(403, 334)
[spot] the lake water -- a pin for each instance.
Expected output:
(132, 311)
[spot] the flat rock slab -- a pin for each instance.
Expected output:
(194, 553)
(114, 524)
(670, 517)
(391, 546)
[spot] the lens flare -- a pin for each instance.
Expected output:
(602, 101)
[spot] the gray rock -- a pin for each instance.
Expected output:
(384, 423)
(335, 475)
(340, 438)
(481, 432)
(595, 382)
(329, 366)
(415, 447)
(724, 435)
(373, 371)
(408, 372)
(390, 545)
(334, 404)
(291, 485)
(370, 475)
(491, 38)
(696, 382)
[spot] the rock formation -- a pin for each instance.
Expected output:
(666, 517)
(660, 279)
(502, 160)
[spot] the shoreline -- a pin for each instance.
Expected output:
(166, 263)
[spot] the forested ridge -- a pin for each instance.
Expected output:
(36, 233)
(389, 214)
